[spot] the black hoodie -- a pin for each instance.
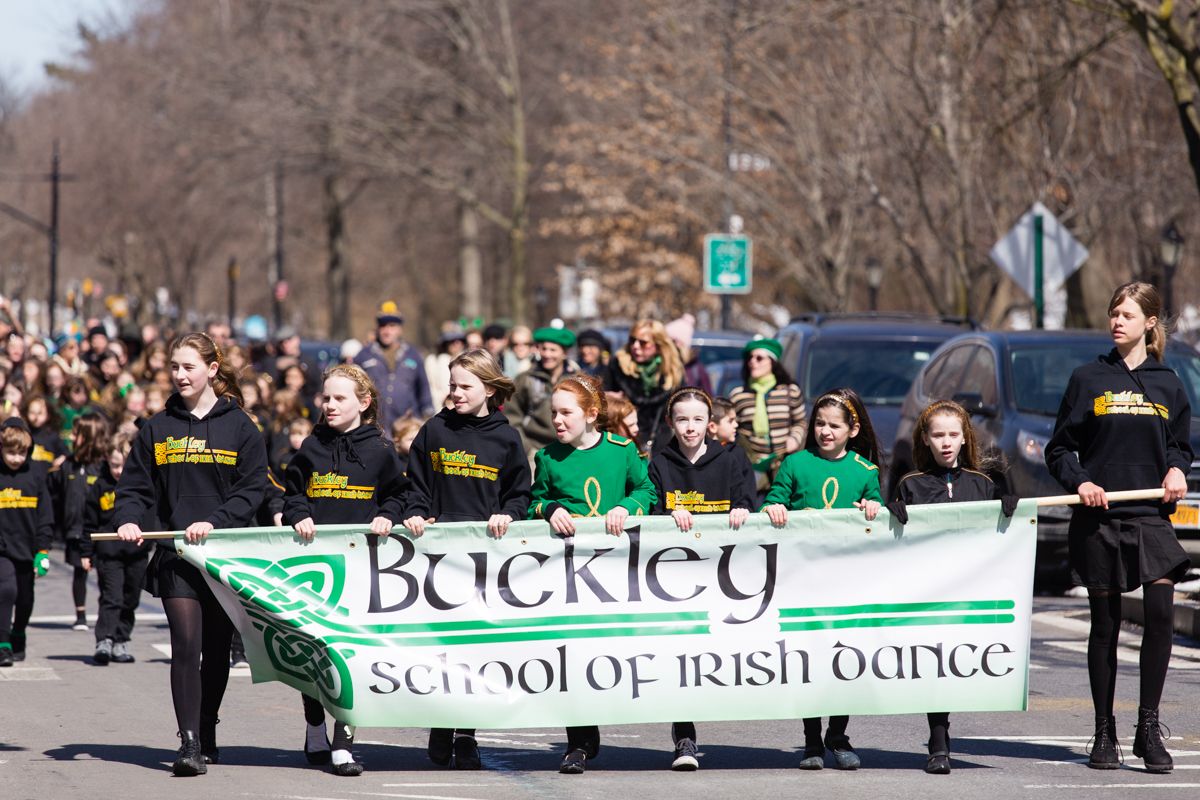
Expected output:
(99, 506)
(466, 469)
(194, 470)
(69, 488)
(26, 518)
(720, 480)
(347, 478)
(1122, 430)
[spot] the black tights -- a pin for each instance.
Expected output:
(200, 634)
(79, 588)
(1158, 603)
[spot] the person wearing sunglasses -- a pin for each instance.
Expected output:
(645, 372)
(770, 409)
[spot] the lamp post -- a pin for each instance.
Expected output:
(874, 271)
(1171, 250)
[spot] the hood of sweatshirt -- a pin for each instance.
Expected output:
(674, 454)
(461, 422)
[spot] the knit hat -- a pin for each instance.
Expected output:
(594, 337)
(772, 347)
(559, 336)
(389, 314)
(494, 331)
(681, 330)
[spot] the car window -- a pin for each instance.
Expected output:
(1040, 372)
(980, 375)
(1187, 367)
(880, 370)
(947, 379)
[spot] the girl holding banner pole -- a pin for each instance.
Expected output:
(586, 473)
(837, 469)
(947, 459)
(694, 474)
(488, 480)
(199, 464)
(1124, 424)
(346, 449)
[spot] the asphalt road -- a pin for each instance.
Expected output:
(71, 729)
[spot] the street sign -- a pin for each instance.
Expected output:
(728, 264)
(1061, 254)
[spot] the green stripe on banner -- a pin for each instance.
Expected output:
(526, 622)
(889, 622)
(898, 608)
(517, 636)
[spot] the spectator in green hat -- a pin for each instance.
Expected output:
(772, 421)
(528, 410)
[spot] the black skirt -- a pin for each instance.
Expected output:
(1122, 554)
(169, 575)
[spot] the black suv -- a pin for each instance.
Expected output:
(1012, 383)
(876, 354)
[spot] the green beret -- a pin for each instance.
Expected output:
(772, 346)
(559, 336)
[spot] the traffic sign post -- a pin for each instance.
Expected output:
(1039, 253)
(728, 263)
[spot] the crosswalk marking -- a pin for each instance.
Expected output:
(28, 674)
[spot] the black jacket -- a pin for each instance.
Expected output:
(720, 480)
(347, 477)
(194, 470)
(1121, 429)
(653, 427)
(69, 487)
(47, 445)
(939, 485)
(100, 506)
(26, 518)
(466, 469)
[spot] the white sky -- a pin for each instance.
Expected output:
(35, 31)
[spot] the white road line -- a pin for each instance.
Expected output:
(419, 796)
(1113, 786)
(60, 619)
(28, 674)
(234, 672)
(1057, 619)
(433, 785)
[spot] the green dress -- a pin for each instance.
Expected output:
(807, 481)
(590, 482)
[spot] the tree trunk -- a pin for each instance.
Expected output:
(520, 175)
(337, 273)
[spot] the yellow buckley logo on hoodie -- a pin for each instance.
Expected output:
(337, 486)
(108, 501)
(695, 502)
(1127, 402)
(460, 462)
(15, 498)
(192, 451)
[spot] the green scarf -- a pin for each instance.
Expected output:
(648, 373)
(762, 424)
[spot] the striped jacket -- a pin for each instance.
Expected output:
(787, 416)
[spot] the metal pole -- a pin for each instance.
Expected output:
(727, 138)
(1039, 299)
(232, 274)
(53, 236)
(276, 304)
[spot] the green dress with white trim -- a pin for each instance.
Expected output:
(806, 481)
(590, 482)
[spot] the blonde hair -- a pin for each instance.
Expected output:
(225, 382)
(403, 426)
(671, 371)
(15, 439)
(1149, 301)
(364, 388)
(483, 365)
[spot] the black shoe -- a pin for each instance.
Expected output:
(844, 756)
(121, 654)
(574, 762)
(189, 762)
(80, 622)
(441, 746)
(208, 740)
(237, 658)
(938, 763)
(6, 657)
(1104, 754)
(685, 756)
(351, 769)
(814, 754)
(1148, 744)
(939, 751)
(466, 753)
(19, 655)
(104, 652)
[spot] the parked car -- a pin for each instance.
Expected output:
(1012, 383)
(876, 354)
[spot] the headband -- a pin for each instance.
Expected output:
(700, 394)
(844, 402)
(216, 349)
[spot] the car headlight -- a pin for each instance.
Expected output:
(1032, 447)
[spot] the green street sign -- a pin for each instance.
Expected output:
(728, 263)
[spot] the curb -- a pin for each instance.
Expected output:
(1187, 613)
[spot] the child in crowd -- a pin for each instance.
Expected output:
(587, 473)
(120, 566)
(26, 528)
(296, 432)
(69, 487)
(695, 474)
(724, 423)
(404, 430)
(838, 468)
(347, 448)
(947, 458)
(48, 448)
(495, 487)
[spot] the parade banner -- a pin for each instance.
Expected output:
(829, 615)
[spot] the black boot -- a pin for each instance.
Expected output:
(1104, 753)
(1148, 744)
(938, 762)
(208, 739)
(189, 762)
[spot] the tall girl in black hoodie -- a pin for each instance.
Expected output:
(346, 448)
(1124, 423)
(694, 474)
(198, 464)
(467, 464)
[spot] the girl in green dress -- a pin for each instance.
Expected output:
(837, 469)
(586, 473)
